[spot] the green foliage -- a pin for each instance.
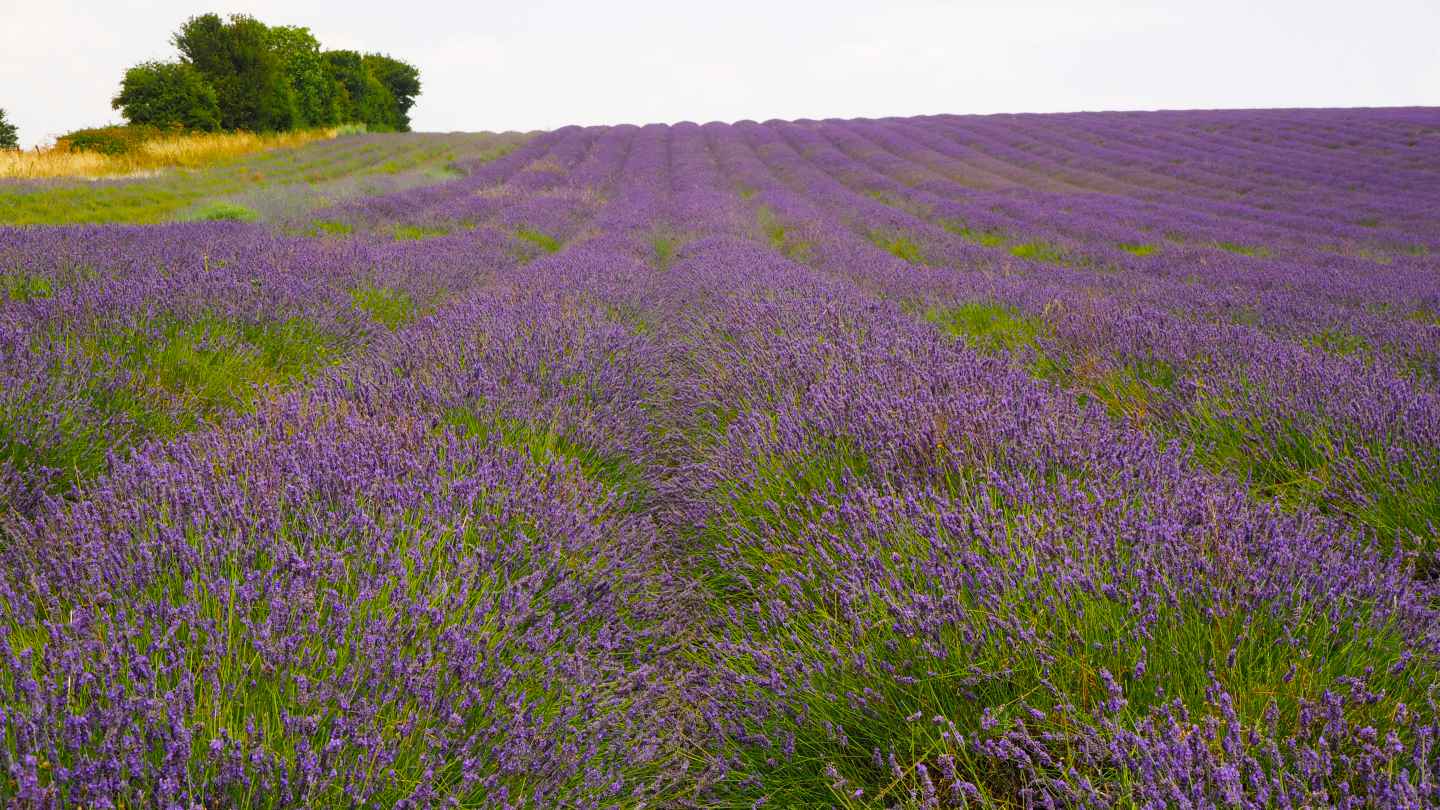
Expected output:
(316, 95)
(984, 238)
(25, 287)
(361, 96)
(390, 307)
(539, 239)
(404, 233)
(1337, 341)
(1138, 249)
(223, 212)
(544, 443)
(112, 140)
(9, 135)
(330, 227)
(311, 176)
(663, 245)
(401, 79)
(1243, 250)
(988, 325)
(169, 377)
(248, 75)
(899, 245)
(168, 94)
(239, 73)
(780, 237)
(1131, 391)
(1078, 634)
(1037, 251)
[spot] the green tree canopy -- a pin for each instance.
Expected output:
(315, 92)
(168, 94)
(9, 136)
(363, 97)
(402, 79)
(237, 59)
(238, 73)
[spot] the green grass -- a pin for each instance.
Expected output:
(1139, 249)
(1424, 315)
(781, 539)
(25, 287)
(1243, 250)
(155, 383)
(1295, 467)
(663, 245)
(330, 227)
(546, 444)
(1038, 252)
(899, 245)
(988, 326)
(409, 233)
(781, 237)
(538, 241)
(1301, 467)
(390, 307)
(1337, 342)
(984, 238)
(222, 212)
(317, 170)
(1131, 391)
(241, 698)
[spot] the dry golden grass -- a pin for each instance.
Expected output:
(186, 151)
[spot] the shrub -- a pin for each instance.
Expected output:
(8, 135)
(168, 94)
(111, 140)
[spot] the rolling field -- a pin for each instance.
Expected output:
(268, 185)
(1077, 460)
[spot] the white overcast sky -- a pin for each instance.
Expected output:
(538, 65)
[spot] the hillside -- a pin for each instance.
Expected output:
(1071, 460)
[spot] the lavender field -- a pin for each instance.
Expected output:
(1079, 460)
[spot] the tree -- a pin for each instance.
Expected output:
(315, 92)
(237, 59)
(363, 97)
(402, 79)
(168, 94)
(9, 137)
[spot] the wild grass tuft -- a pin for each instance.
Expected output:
(222, 212)
(538, 239)
(1243, 250)
(781, 237)
(663, 245)
(988, 325)
(1139, 249)
(390, 307)
(984, 238)
(899, 245)
(412, 233)
(329, 227)
(1038, 251)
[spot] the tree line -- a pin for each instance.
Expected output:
(243, 74)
